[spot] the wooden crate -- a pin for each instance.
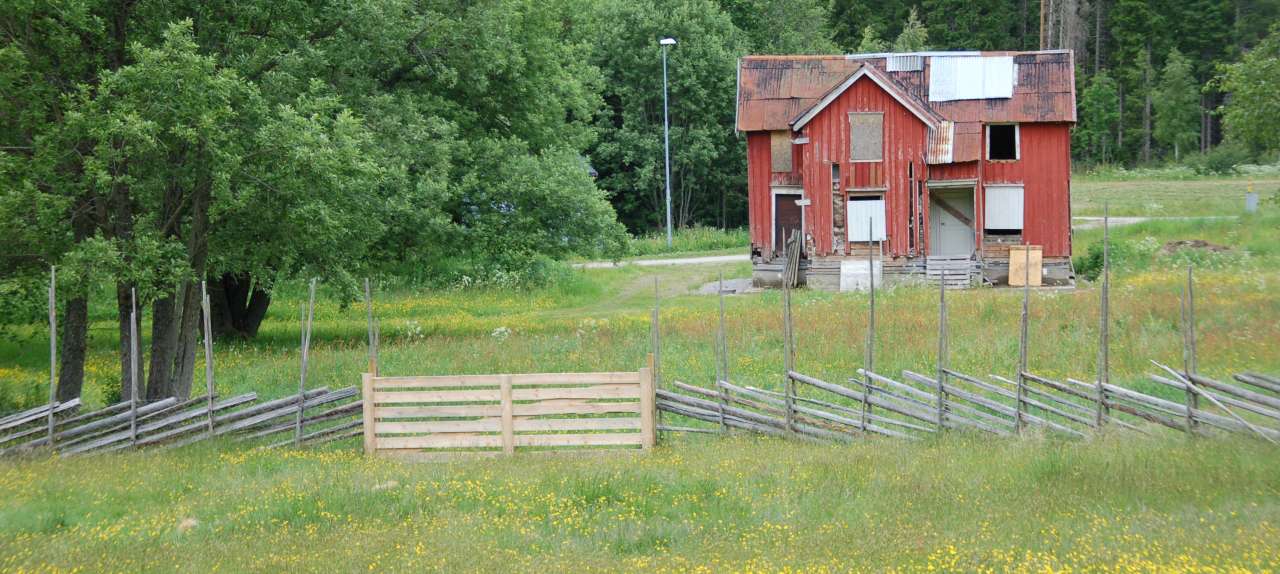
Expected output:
(1020, 257)
(427, 418)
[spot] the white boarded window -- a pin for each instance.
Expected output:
(865, 218)
(780, 151)
(1003, 208)
(866, 136)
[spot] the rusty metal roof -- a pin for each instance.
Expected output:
(774, 91)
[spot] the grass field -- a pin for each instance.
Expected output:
(957, 504)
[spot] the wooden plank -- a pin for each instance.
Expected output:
(508, 413)
(575, 407)
(436, 396)
(436, 382)
(436, 411)
(648, 409)
(625, 391)
(603, 378)
(602, 439)
(1025, 263)
(450, 440)
(412, 455)
(480, 425)
(610, 423)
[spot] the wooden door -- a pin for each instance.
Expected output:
(787, 218)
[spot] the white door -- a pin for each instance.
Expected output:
(951, 229)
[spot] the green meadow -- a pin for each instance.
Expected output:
(1114, 503)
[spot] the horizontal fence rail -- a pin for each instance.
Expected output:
(435, 417)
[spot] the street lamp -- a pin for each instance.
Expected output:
(666, 131)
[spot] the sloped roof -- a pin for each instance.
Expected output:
(775, 91)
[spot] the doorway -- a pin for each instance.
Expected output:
(788, 217)
(951, 225)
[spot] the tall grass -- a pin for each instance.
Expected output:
(690, 239)
(962, 503)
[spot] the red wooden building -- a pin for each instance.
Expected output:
(923, 158)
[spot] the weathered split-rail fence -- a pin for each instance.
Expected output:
(915, 404)
(441, 417)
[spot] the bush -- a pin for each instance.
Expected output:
(1225, 159)
(696, 238)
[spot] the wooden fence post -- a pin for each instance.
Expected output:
(648, 408)
(1022, 337)
(373, 346)
(208, 354)
(308, 313)
(1104, 366)
(53, 346)
(133, 366)
(366, 404)
(722, 363)
(871, 328)
(1187, 306)
(788, 356)
(508, 417)
(942, 350)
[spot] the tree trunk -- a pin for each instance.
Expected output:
(238, 305)
(75, 315)
(75, 331)
(164, 345)
(1098, 7)
(1146, 109)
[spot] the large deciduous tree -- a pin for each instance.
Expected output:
(1252, 114)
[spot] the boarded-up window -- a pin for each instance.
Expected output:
(866, 136)
(1003, 208)
(866, 218)
(780, 151)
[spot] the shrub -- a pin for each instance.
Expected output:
(1225, 159)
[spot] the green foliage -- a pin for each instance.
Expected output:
(1099, 113)
(782, 26)
(914, 37)
(691, 239)
(1224, 159)
(1252, 115)
(707, 158)
(1177, 105)
(871, 42)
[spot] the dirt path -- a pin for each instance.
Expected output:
(1094, 222)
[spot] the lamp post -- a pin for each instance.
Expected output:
(666, 131)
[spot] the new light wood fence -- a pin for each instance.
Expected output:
(425, 418)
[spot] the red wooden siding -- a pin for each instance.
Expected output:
(1044, 170)
(905, 139)
(760, 181)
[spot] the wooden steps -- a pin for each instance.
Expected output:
(954, 271)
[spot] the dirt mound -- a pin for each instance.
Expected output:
(1178, 245)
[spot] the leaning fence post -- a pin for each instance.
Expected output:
(53, 346)
(208, 354)
(1104, 366)
(657, 335)
(308, 313)
(942, 350)
(1022, 337)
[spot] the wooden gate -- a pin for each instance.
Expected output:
(440, 417)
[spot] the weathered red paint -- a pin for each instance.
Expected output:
(828, 133)
(775, 91)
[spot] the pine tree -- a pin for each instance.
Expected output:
(914, 36)
(1099, 113)
(1177, 105)
(871, 42)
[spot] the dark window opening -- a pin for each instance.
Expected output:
(1014, 232)
(1002, 142)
